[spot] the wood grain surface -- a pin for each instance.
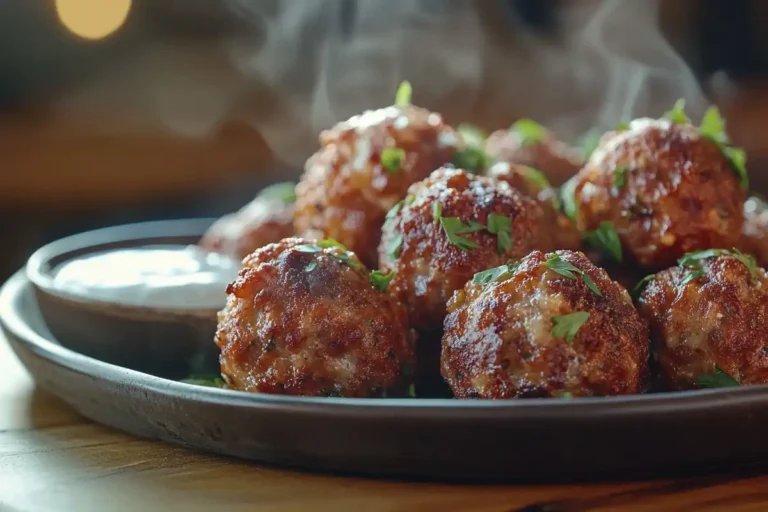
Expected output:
(51, 459)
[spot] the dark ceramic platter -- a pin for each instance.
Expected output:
(432, 438)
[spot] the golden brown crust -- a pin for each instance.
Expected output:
(262, 221)
(556, 159)
(498, 340)
(718, 319)
(346, 191)
(561, 230)
(754, 234)
(429, 267)
(679, 194)
(311, 323)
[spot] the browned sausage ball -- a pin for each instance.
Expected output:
(303, 318)
(265, 220)
(532, 183)
(553, 325)
(754, 234)
(527, 143)
(708, 321)
(364, 168)
(442, 234)
(665, 190)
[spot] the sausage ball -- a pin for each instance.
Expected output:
(364, 167)
(708, 320)
(754, 234)
(265, 220)
(450, 226)
(554, 325)
(532, 183)
(306, 318)
(528, 143)
(662, 189)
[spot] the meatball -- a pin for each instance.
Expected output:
(265, 220)
(553, 325)
(303, 318)
(662, 189)
(708, 320)
(754, 234)
(528, 143)
(364, 167)
(450, 226)
(532, 183)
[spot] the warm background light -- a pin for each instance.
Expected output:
(93, 19)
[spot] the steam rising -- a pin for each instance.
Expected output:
(320, 61)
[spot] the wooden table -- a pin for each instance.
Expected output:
(51, 459)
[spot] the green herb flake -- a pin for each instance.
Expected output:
(693, 259)
(471, 159)
(719, 379)
(501, 226)
(312, 265)
(403, 94)
(210, 381)
(737, 157)
(472, 135)
(311, 248)
(619, 177)
(535, 178)
(392, 159)
(471, 227)
(411, 392)
(690, 276)
(453, 228)
(640, 286)
(493, 274)
(285, 192)
(591, 284)
(562, 267)
(677, 115)
(565, 395)
(380, 280)
(568, 325)
(527, 356)
(330, 243)
(437, 211)
(713, 125)
(394, 246)
(606, 240)
(529, 131)
(392, 213)
(622, 127)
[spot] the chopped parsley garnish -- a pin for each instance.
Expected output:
(471, 155)
(535, 177)
(381, 280)
(677, 115)
(210, 381)
(472, 135)
(693, 259)
(589, 141)
(394, 210)
(568, 199)
(437, 211)
(622, 127)
(285, 192)
(606, 240)
(392, 159)
(568, 325)
(394, 246)
(619, 177)
(493, 274)
(312, 265)
(558, 265)
(719, 379)
(411, 392)
(453, 228)
(529, 131)
(344, 256)
(713, 128)
(565, 395)
(403, 94)
(640, 286)
(690, 276)
(501, 226)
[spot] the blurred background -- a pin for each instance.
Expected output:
(116, 111)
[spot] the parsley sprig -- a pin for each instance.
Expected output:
(392, 159)
(210, 381)
(677, 115)
(471, 155)
(494, 274)
(501, 226)
(640, 286)
(693, 260)
(568, 199)
(719, 379)
(606, 240)
(529, 131)
(454, 228)
(380, 280)
(341, 254)
(619, 177)
(285, 192)
(558, 265)
(568, 325)
(403, 94)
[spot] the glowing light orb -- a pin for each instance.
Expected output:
(92, 19)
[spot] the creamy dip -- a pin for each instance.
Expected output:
(160, 276)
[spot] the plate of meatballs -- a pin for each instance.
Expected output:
(432, 301)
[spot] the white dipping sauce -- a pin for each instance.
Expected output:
(160, 276)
